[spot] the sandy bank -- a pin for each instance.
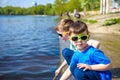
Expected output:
(99, 28)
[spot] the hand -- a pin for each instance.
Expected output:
(57, 72)
(85, 66)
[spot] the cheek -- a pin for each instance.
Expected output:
(73, 43)
(65, 37)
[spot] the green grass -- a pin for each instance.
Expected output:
(111, 21)
(90, 21)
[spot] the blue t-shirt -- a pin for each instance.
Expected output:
(92, 56)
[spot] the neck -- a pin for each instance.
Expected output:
(84, 48)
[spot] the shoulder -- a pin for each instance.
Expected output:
(99, 57)
(93, 43)
(94, 51)
(97, 53)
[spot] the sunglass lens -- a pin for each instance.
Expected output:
(83, 37)
(60, 35)
(74, 38)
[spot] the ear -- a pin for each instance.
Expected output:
(88, 36)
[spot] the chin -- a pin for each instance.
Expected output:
(82, 48)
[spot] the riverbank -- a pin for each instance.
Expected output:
(99, 28)
(109, 44)
(110, 47)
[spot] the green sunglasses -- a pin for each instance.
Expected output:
(81, 37)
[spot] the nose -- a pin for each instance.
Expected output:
(79, 40)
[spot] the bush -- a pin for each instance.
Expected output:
(90, 21)
(111, 21)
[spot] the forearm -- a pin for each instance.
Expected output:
(66, 75)
(63, 64)
(60, 68)
(101, 67)
(96, 67)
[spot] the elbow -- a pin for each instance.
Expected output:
(98, 45)
(110, 66)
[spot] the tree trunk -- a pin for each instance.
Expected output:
(107, 6)
(84, 11)
(104, 6)
(101, 6)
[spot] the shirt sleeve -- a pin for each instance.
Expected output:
(74, 59)
(100, 58)
(72, 47)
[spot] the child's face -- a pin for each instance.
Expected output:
(63, 35)
(79, 40)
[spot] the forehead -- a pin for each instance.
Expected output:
(83, 33)
(61, 31)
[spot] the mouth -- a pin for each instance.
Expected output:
(79, 44)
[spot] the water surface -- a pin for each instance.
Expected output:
(29, 47)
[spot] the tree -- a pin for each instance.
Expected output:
(40, 9)
(7, 10)
(104, 6)
(59, 6)
(48, 9)
(74, 4)
(1, 10)
(84, 4)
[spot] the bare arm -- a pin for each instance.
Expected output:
(101, 67)
(94, 43)
(96, 67)
(60, 68)
(66, 75)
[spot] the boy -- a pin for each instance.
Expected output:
(62, 29)
(87, 63)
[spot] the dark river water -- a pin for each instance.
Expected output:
(29, 47)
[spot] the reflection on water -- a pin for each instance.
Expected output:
(110, 44)
(29, 48)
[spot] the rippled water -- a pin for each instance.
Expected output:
(29, 47)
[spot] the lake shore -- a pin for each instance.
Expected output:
(99, 28)
(109, 44)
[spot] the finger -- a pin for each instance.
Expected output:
(85, 69)
(79, 64)
(56, 74)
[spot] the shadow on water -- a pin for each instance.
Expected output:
(110, 45)
(115, 72)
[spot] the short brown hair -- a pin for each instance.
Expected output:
(78, 27)
(64, 25)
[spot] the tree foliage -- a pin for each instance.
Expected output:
(58, 8)
(74, 4)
